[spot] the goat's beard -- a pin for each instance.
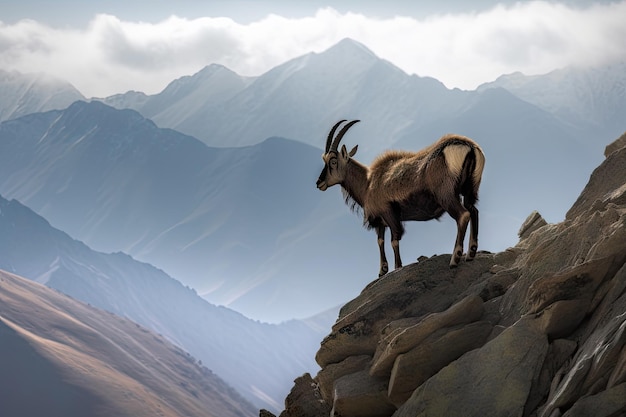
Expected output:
(354, 206)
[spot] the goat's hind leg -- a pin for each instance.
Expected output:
(473, 240)
(384, 266)
(462, 217)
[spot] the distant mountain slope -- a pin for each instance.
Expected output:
(22, 94)
(203, 93)
(236, 348)
(59, 357)
(593, 97)
(233, 223)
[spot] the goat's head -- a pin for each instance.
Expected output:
(335, 161)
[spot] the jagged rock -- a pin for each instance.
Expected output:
(561, 318)
(593, 366)
(265, 413)
(607, 403)
(411, 369)
(413, 291)
(494, 380)
(401, 339)
(328, 375)
(559, 352)
(533, 222)
(556, 248)
(618, 144)
(605, 185)
(360, 394)
(305, 400)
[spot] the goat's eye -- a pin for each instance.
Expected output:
(333, 163)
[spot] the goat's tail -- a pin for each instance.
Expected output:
(466, 161)
(477, 173)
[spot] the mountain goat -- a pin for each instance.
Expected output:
(401, 186)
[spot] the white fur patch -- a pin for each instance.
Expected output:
(455, 155)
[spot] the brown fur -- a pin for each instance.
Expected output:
(400, 185)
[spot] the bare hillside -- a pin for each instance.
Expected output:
(59, 357)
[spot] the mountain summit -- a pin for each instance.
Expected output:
(22, 94)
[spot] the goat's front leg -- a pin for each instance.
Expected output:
(384, 266)
(392, 219)
(395, 244)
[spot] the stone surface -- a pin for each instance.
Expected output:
(592, 366)
(329, 374)
(605, 180)
(360, 394)
(305, 400)
(411, 369)
(494, 380)
(404, 338)
(609, 403)
(618, 144)
(561, 318)
(413, 291)
(533, 222)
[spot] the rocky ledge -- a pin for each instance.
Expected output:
(536, 330)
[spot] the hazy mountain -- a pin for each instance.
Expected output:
(299, 99)
(203, 93)
(240, 350)
(225, 221)
(586, 97)
(60, 357)
(22, 94)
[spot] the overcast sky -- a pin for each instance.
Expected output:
(108, 47)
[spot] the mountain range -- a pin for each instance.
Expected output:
(240, 350)
(244, 225)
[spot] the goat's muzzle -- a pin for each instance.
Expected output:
(321, 181)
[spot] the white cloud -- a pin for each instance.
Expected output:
(461, 50)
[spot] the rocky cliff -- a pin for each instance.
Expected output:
(536, 330)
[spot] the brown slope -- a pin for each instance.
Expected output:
(63, 357)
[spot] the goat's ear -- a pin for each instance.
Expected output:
(344, 152)
(353, 151)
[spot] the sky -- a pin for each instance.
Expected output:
(109, 47)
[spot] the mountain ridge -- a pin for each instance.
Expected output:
(83, 361)
(32, 93)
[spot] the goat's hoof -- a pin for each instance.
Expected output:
(471, 254)
(384, 268)
(456, 258)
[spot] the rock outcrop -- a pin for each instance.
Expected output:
(538, 330)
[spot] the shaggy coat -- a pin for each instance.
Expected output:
(401, 186)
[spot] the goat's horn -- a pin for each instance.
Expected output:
(332, 133)
(341, 133)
